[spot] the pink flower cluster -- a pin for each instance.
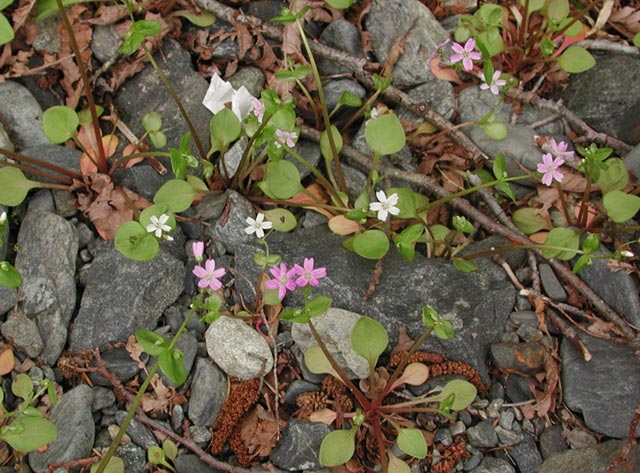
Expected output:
(285, 279)
(208, 274)
(553, 160)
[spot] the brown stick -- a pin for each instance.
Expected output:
(631, 440)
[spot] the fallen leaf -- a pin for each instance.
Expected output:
(343, 226)
(7, 361)
(443, 73)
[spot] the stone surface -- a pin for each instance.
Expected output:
(298, 449)
(606, 390)
(551, 441)
(334, 89)
(122, 296)
(438, 94)
(251, 77)
(421, 32)
(118, 362)
(238, 349)
(632, 161)
(493, 465)
(22, 332)
(526, 455)
(592, 460)
(208, 393)
(22, 115)
(138, 432)
(334, 328)
(519, 357)
(344, 36)
(76, 431)
(552, 287)
(133, 456)
(188, 463)
(47, 262)
(232, 233)
(482, 435)
(477, 304)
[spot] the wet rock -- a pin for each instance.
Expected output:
(299, 447)
(605, 390)
(47, 262)
(22, 333)
(438, 94)
(344, 36)
(122, 296)
(53, 154)
(232, 233)
(250, 77)
(552, 287)
(208, 393)
(22, 115)
(133, 457)
(482, 435)
(334, 328)
(552, 441)
(76, 430)
(105, 42)
(519, 357)
(238, 349)
(592, 460)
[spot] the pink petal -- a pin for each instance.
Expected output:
(199, 271)
(547, 179)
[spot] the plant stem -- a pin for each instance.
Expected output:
(102, 160)
(38, 162)
(563, 203)
(176, 99)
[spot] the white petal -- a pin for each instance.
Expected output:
(267, 225)
(151, 228)
(250, 230)
(393, 199)
(382, 214)
(382, 197)
(393, 210)
(241, 103)
(259, 232)
(375, 206)
(218, 94)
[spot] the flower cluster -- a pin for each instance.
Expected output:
(285, 279)
(208, 274)
(221, 93)
(552, 160)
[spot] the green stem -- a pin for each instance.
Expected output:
(532, 246)
(143, 388)
(306, 93)
(102, 160)
(176, 99)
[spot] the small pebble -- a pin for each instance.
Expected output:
(200, 434)
(506, 419)
(443, 436)
(458, 428)
(493, 410)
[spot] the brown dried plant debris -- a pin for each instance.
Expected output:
(460, 368)
(241, 399)
(417, 357)
(451, 455)
(256, 436)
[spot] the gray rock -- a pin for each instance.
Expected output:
(177, 418)
(8, 297)
(617, 289)
(482, 435)
(297, 387)
(519, 357)
(22, 115)
(238, 349)
(474, 461)
(76, 430)
(551, 441)
(41, 201)
(22, 333)
(477, 304)
(299, 447)
(334, 327)
(118, 362)
(133, 456)
(632, 161)
(604, 95)
(310, 152)
(232, 158)
(47, 262)
(251, 77)
(5, 141)
(443, 436)
(438, 94)
(552, 287)
(57, 155)
(102, 397)
(188, 463)
(122, 296)
(508, 437)
(200, 435)
(421, 32)
(593, 459)
(105, 42)
(606, 389)
(493, 465)
(232, 233)
(48, 39)
(344, 36)
(144, 93)
(526, 455)
(208, 393)
(334, 89)
(138, 432)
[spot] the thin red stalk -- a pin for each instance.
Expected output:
(39, 163)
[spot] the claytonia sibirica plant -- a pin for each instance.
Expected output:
(549, 168)
(258, 225)
(558, 150)
(220, 93)
(285, 138)
(209, 275)
(159, 225)
(385, 205)
(198, 250)
(465, 54)
(258, 109)
(283, 280)
(308, 274)
(495, 84)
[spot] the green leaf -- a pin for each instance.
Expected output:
(547, 47)
(171, 364)
(115, 465)
(158, 139)
(369, 339)
(584, 260)
(412, 442)
(297, 73)
(151, 342)
(441, 328)
(406, 250)
(591, 243)
(534, 5)
(385, 134)
(464, 265)
(411, 233)
(499, 167)
(620, 206)
(146, 27)
(490, 14)
(282, 219)
(615, 177)
(225, 128)
(176, 194)
(22, 386)
(495, 130)
(461, 224)
(282, 180)
(464, 393)
(155, 455)
(152, 121)
(59, 123)
(298, 316)
(318, 306)
(48, 8)
(325, 148)
(204, 19)
(340, 4)
(6, 31)
(350, 100)
(5, 3)
(170, 449)
(576, 59)
(9, 275)
(564, 238)
(406, 201)
(371, 244)
(491, 41)
(26, 433)
(558, 10)
(636, 40)
(396, 465)
(338, 447)
(318, 363)
(134, 242)
(529, 221)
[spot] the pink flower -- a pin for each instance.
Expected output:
(558, 150)
(308, 274)
(258, 108)
(495, 83)
(283, 280)
(549, 167)
(209, 275)
(466, 54)
(198, 250)
(285, 138)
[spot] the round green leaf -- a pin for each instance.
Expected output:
(170, 449)
(27, 433)
(59, 123)
(340, 4)
(464, 393)
(225, 128)
(14, 186)
(318, 363)
(385, 134)
(282, 219)
(172, 365)
(615, 177)
(369, 339)
(282, 180)
(155, 455)
(176, 194)
(620, 206)
(529, 221)
(371, 244)
(337, 447)
(406, 201)
(412, 442)
(558, 10)
(115, 465)
(157, 210)
(534, 5)
(562, 238)
(152, 121)
(146, 27)
(151, 342)
(495, 130)
(576, 59)
(134, 242)
(22, 386)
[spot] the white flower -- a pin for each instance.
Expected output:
(3, 217)
(221, 92)
(385, 205)
(257, 226)
(159, 225)
(626, 254)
